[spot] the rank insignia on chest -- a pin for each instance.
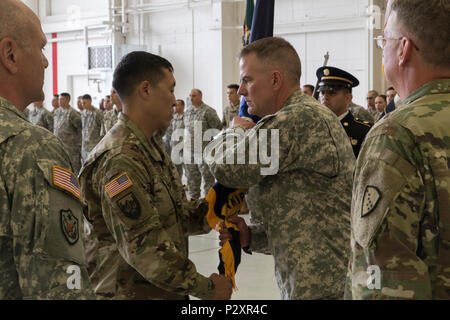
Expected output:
(118, 185)
(370, 200)
(129, 206)
(354, 142)
(69, 226)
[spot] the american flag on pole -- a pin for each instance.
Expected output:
(118, 185)
(66, 180)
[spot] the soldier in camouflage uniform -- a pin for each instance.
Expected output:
(400, 216)
(135, 198)
(196, 171)
(371, 95)
(41, 117)
(92, 120)
(361, 113)
(232, 110)
(41, 247)
(306, 203)
(112, 116)
(67, 122)
(55, 103)
(177, 123)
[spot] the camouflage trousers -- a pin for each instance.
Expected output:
(194, 174)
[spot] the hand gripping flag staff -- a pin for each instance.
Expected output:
(223, 203)
(226, 202)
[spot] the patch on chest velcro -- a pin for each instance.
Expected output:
(129, 206)
(118, 185)
(69, 226)
(370, 200)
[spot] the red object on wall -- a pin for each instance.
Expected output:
(55, 64)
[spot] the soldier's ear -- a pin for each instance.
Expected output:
(277, 79)
(8, 55)
(144, 90)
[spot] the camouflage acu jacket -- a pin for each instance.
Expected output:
(41, 117)
(305, 205)
(229, 112)
(92, 130)
(401, 202)
(142, 219)
(204, 115)
(41, 231)
(68, 127)
(109, 120)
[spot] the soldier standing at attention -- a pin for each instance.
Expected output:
(400, 217)
(55, 103)
(135, 199)
(232, 110)
(80, 104)
(335, 89)
(205, 117)
(304, 206)
(92, 120)
(40, 116)
(41, 247)
(177, 123)
(67, 122)
(112, 116)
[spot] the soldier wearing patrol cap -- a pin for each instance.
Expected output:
(335, 88)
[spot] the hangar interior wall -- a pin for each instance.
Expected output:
(202, 39)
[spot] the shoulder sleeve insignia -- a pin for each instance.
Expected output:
(129, 206)
(66, 180)
(370, 200)
(118, 185)
(69, 226)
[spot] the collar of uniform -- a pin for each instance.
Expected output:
(342, 116)
(141, 137)
(9, 106)
(294, 98)
(434, 87)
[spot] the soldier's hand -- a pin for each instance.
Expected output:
(244, 233)
(223, 287)
(246, 123)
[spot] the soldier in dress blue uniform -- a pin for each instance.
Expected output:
(335, 89)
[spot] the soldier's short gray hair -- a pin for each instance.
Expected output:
(279, 52)
(428, 23)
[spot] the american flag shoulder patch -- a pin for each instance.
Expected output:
(118, 185)
(66, 180)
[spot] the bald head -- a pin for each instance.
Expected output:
(16, 19)
(22, 62)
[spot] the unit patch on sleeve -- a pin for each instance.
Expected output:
(69, 226)
(66, 180)
(129, 206)
(370, 200)
(118, 185)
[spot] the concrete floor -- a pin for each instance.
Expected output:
(255, 277)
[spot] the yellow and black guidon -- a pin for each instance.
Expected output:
(223, 203)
